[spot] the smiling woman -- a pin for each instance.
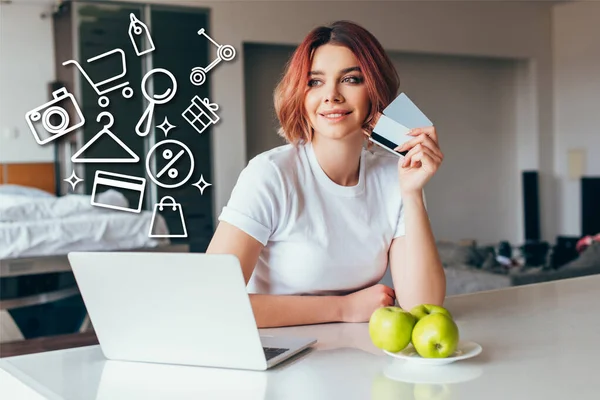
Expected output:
(343, 57)
(331, 120)
(316, 222)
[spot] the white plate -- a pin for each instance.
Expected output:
(438, 375)
(463, 351)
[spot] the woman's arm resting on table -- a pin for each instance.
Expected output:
(278, 310)
(417, 270)
(415, 264)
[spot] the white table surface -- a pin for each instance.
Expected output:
(539, 342)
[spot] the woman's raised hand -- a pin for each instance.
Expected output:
(358, 306)
(423, 159)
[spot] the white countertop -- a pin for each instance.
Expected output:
(539, 342)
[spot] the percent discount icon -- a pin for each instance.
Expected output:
(175, 154)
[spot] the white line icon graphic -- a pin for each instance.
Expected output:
(54, 118)
(103, 101)
(201, 114)
(77, 157)
(113, 180)
(143, 126)
(137, 29)
(73, 180)
(167, 146)
(166, 126)
(168, 205)
(225, 53)
(172, 171)
(202, 184)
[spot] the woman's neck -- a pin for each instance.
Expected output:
(339, 159)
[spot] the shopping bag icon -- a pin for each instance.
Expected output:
(167, 207)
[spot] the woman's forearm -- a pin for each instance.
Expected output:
(277, 310)
(422, 279)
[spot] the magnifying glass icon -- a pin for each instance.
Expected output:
(143, 126)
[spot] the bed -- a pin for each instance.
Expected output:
(39, 229)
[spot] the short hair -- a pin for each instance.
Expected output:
(381, 78)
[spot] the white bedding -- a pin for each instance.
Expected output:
(41, 226)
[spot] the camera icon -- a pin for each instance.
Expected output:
(54, 118)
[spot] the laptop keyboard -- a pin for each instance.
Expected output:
(271, 352)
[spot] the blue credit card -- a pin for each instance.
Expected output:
(389, 131)
(405, 112)
(397, 119)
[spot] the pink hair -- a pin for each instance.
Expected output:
(381, 78)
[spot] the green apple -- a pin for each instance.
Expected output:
(425, 309)
(390, 328)
(435, 336)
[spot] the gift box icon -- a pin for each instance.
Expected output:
(201, 114)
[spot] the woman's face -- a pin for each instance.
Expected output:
(336, 102)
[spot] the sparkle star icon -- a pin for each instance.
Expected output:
(202, 184)
(166, 126)
(73, 180)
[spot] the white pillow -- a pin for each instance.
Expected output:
(23, 208)
(18, 190)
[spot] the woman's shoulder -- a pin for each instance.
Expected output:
(279, 156)
(278, 163)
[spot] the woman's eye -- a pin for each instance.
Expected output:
(314, 82)
(352, 79)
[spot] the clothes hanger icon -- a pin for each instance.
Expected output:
(105, 131)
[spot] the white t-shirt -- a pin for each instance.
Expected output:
(320, 238)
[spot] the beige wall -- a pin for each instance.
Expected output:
(513, 30)
(26, 68)
(518, 30)
(576, 32)
(471, 100)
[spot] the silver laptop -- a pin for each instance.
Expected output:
(176, 308)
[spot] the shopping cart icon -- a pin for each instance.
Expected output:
(99, 87)
(225, 53)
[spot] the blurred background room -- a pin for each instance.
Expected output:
(513, 88)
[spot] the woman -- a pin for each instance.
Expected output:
(315, 222)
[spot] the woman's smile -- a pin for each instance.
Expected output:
(335, 116)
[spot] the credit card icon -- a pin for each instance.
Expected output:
(132, 186)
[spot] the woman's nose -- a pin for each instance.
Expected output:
(333, 95)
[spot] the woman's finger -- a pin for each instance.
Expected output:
(435, 159)
(407, 158)
(423, 139)
(428, 130)
(390, 291)
(425, 159)
(390, 300)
